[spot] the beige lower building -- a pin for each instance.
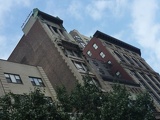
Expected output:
(19, 78)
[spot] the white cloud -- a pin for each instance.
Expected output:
(7, 6)
(101, 8)
(51, 8)
(119, 7)
(70, 9)
(7, 44)
(96, 9)
(4, 8)
(7, 40)
(76, 9)
(146, 29)
(119, 35)
(3, 47)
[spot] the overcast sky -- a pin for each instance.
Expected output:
(136, 22)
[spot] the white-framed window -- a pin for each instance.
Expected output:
(94, 81)
(95, 46)
(118, 74)
(109, 62)
(78, 39)
(89, 53)
(82, 44)
(102, 54)
(80, 66)
(13, 78)
(36, 81)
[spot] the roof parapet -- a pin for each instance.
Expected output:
(113, 40)
(38, 13)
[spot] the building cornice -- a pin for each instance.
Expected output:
(37, 12)
(115, 41)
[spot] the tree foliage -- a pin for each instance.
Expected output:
(84, 102)
(88, 102)
(32, 106)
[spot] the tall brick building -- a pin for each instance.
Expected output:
(46, 43)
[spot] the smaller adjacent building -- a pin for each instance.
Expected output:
(80, 39)
(19, 78)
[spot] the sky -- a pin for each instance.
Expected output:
(136, 22)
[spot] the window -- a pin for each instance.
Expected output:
(128, 59)
(49, 99)
(94, 81)
(89, 53)
(53, 29)
(137, 62)
(144, 77)
(108, 64)
(101, 71)
(82, 44)
(78, 39)
(36, 81)
(118, 74)
(108, 44)
(102, 54)
(13, 78)
(69, 52)
(137, 76)
(144, 85)
(134, 53)
(72, 53)
(118, 47)
(144, 65)
(150, 77)
(61, 31)
(132, 72)
(119, 56)
(80, 66)
(94, 62)
(126, 50)
(95, 46)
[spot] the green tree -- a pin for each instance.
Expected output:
(120, 105)
(88, 102)
(32, 106)
(84, 102)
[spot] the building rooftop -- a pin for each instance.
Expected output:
(37, 12)
(115, 41)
